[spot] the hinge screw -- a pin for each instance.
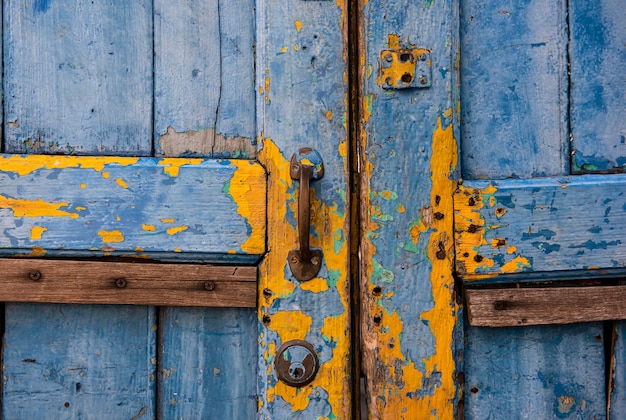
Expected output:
(34, 275)
(121, 283)
(209, 285)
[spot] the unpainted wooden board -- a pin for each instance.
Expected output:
(543, 372)
(617, 405)
(598, 80)
(62, 281)
(540, 225)
(207, 363)
(513, 89)
(68, 362)
(78, 77)
(544, 305)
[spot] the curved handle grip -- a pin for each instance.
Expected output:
(305, 262)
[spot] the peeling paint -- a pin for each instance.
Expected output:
(35, 208)
(111, 236)
(204, 142)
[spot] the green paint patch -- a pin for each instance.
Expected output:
(338, 240)
(381, 273)
(382, 217)
(333, 278)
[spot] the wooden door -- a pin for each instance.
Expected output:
(146, 143)
(541, 207)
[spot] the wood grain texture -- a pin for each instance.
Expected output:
(78, 77)
(302, 101)
(207, 363)
(617, 403)
(513, 89)
(544, 305)
(410, 325)
(62, 281)
(598, 93)
(204, 78)
(67, 362)
(544, 372)
(540, 225)
(213, 210)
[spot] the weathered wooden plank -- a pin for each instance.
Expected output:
(62, 281)
(56, 205)
(544, 305)
(544, 372)
(513, 89)
(204, 78)
(67, 362)
(598, 81)
(410, 321)
(207, 363)
(571, 223)
(301, 78)
(78, 77)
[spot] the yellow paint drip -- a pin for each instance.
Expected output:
(36, 232)
(175, 230)
(105, 175)
(83, 186)
(298, 25)
(168, 220)
(26, 164)
(171, 166)
(35, 208)
(248, 190)
(111, 236)
(149, 228)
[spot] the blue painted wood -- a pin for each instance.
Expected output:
(78, 76)
(513, 89)
(598, 58)
(207, 363)
(409, 327)
(147, 206)
(68, 362)
(571, 223)
(548, 372)
(302, 84)
(204, 78)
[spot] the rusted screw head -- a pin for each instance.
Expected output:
(422, 80)
(315, 261)
(121, 283)
(388, 57)
(209, 285)
(34, 275)
(294, 260)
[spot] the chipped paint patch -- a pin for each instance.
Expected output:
(111, 236)
(121, 183)
(171, 166)
(247, 188)
(148, 227)
(175, 230)
(27, 164)
(36, 232)
(35, 208)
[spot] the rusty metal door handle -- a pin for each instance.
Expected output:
(306, 166)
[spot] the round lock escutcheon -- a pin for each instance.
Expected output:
(296, 363)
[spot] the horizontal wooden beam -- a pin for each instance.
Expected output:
(546, 305)
(196, 209)
(540, 225)
(89, 282)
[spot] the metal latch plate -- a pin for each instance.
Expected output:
(405, 68)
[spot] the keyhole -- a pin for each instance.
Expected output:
(296, 370)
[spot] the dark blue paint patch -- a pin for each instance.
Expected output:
(506, 200)
(41, 6)
(595, 229)
(607, 211)
(538, 44)
(546, 233)
(591, 245)
(546, 247)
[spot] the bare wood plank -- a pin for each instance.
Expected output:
(547, 305)
(91, 282)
